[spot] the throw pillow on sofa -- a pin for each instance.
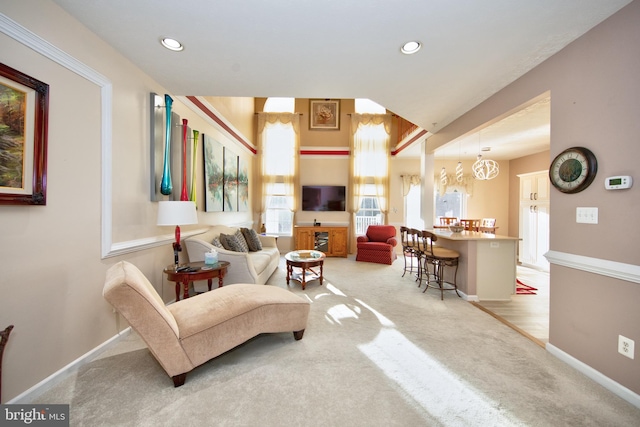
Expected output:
(253, 241)
(217, 243)
(241, 240)
(230, 243)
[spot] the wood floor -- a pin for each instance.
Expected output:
(528, 314)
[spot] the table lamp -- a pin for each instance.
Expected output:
(177, 213)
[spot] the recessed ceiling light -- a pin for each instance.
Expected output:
(410, 47)
(172, 44)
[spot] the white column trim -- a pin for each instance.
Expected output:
(617, 270)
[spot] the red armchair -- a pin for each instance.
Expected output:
(378, 245)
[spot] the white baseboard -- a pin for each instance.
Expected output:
(614, 387)
(37, 390)
(470, 298)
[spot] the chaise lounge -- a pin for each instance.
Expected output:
(190, 332)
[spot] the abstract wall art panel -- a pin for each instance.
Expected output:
(230, 192)
(243, 185)
(213, 154)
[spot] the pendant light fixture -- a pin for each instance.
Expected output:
(459, 171)
(485, 169)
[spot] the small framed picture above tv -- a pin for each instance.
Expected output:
(324, 198)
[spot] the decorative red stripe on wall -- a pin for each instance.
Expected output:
(324, 152)
(220, 122)
(409, 142)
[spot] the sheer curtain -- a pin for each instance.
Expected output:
(369, 145)
(278, 159)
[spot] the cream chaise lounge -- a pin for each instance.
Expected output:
(188, 333)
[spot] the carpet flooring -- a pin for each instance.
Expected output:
(376, 352)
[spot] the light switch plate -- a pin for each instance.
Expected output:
(587, 215)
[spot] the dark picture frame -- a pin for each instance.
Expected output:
(24, 112)
(324, 114)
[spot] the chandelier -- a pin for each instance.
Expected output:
(459, 172)
(485, 169)
(443, 176)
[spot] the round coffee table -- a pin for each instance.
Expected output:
(199, 271)
(304, 260)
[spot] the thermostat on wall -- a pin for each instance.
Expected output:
(618, 182)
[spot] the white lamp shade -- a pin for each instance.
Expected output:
(177, 213)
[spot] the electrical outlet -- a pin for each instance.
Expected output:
(625, 346)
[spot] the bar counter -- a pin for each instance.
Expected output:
(487, 263)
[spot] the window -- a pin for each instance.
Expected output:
(412, 208)
(370, 169)
(452, 204)
(278, 215)
(369, 212)
(363, 105)
(278, 148)
(279, 105)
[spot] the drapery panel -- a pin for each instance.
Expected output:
(463, 186)
(369, 143)
(278, 159)
(409, 181)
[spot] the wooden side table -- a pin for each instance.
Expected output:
(203, 272)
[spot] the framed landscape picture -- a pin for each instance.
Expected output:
(24, 109)
(324, 114)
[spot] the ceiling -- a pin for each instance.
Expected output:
(347, 49)
(525, 132)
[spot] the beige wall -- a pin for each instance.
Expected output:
(239, 111)
(58, 310)
(52, 271)
(594, 103)
(487, 199)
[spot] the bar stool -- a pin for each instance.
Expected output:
(415, 240)
(409, 251)
(440, 258)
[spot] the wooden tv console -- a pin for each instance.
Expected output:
(330, 240)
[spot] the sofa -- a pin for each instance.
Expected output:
(254, 267)
(378, 245)
(188, 333)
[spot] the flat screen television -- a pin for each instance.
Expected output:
(324, 198)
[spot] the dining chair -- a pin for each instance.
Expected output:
(448, 220)
(488, 225)
(470, 224)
